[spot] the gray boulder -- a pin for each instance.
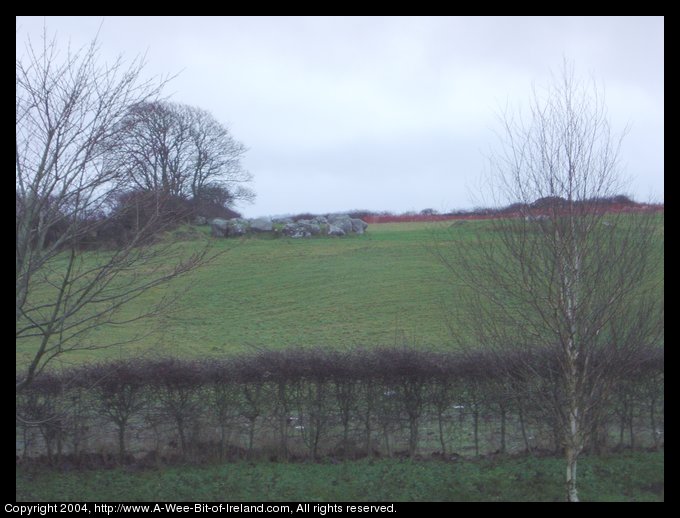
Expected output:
(261, 225)
(335, 231)
(314, 228)
(296, 230)
(218, 227)
(309, 227)
(336, 225)
(540, 217)
(342, 221)
(236, 227)
(344, 224)
(358, 225)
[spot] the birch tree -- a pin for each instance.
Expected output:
(563, 274)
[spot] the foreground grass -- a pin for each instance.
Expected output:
(630, 476)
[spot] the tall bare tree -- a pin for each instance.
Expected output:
(563, 275)
(178, 150)
(68, 110)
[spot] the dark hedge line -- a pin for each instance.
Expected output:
(619, 202)
(311, 403)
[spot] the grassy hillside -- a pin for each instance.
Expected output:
(381, 288)
(370, 289)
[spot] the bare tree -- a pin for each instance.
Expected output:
(178, 150)
(217, 157)
(564, 275)
(68, 109)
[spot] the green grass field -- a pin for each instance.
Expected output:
(381, 288)
(631, 476)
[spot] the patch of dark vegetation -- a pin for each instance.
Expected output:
(316, 404)
(541, 206)
(655, 487)
(136, 216)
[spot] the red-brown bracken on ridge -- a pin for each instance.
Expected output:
(493, 213)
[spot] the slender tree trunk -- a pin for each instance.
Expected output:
(283, 436)
(223, 438)
(344, 395)
(251, 435)
(386, 435)
(572, 458)
(440, 423)
(631, 431)
(475, 427)
(48, 445)
(573, 448)
(413, 436)
(60, 445)
(652, 419)
(523, 428)
(368, 433)
(557, 446)
(345, 436)
(283, 419)
(598, 436)
(121, 442)
(315, 441)
(503, 419)
(26, 436)
(182, 435)
(367, 419)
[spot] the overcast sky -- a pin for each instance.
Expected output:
(384, 113)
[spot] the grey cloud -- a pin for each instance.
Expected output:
(384, 113)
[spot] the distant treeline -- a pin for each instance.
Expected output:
(309, 403)
(618, 203)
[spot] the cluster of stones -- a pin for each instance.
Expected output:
(332, 225)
